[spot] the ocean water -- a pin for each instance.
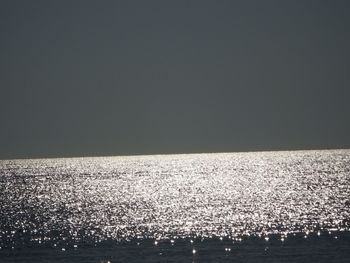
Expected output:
(291, 206)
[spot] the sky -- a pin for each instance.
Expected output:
(92, 78)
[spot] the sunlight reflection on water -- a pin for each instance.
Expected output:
(69, 202)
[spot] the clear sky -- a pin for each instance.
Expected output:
(89, 78)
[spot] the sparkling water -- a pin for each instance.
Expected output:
(287, 206)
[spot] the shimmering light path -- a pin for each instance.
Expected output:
(68, 203)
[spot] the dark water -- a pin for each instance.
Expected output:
(255, 207)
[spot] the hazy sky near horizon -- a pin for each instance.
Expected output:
(88, 78)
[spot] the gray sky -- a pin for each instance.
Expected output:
(88, 78)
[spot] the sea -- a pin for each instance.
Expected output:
(277, 206)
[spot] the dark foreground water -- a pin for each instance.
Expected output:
(245, 207)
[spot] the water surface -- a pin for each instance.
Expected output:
(242, 206)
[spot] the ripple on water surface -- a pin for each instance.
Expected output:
(71, 203)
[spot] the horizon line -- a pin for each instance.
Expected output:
(182, 153)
